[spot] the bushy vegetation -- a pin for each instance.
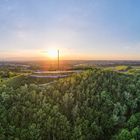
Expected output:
(21, 80)
(134, 70)
(123, 68)
(93, 105)
(7, 74)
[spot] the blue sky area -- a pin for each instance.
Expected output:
(81, 29)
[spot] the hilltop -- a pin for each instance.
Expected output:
(95, 104)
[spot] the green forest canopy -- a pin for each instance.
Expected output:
(93, 105)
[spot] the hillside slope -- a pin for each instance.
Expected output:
(95, 104)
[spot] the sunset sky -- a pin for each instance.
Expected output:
(80, 29)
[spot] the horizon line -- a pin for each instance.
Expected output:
(28, 60)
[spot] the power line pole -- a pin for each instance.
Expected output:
(58, 59)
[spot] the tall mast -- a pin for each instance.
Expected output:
(58, 58)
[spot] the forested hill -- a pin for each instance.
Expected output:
(93, 105)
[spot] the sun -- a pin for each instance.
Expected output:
(52, 53)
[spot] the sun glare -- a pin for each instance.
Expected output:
(52, 53)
